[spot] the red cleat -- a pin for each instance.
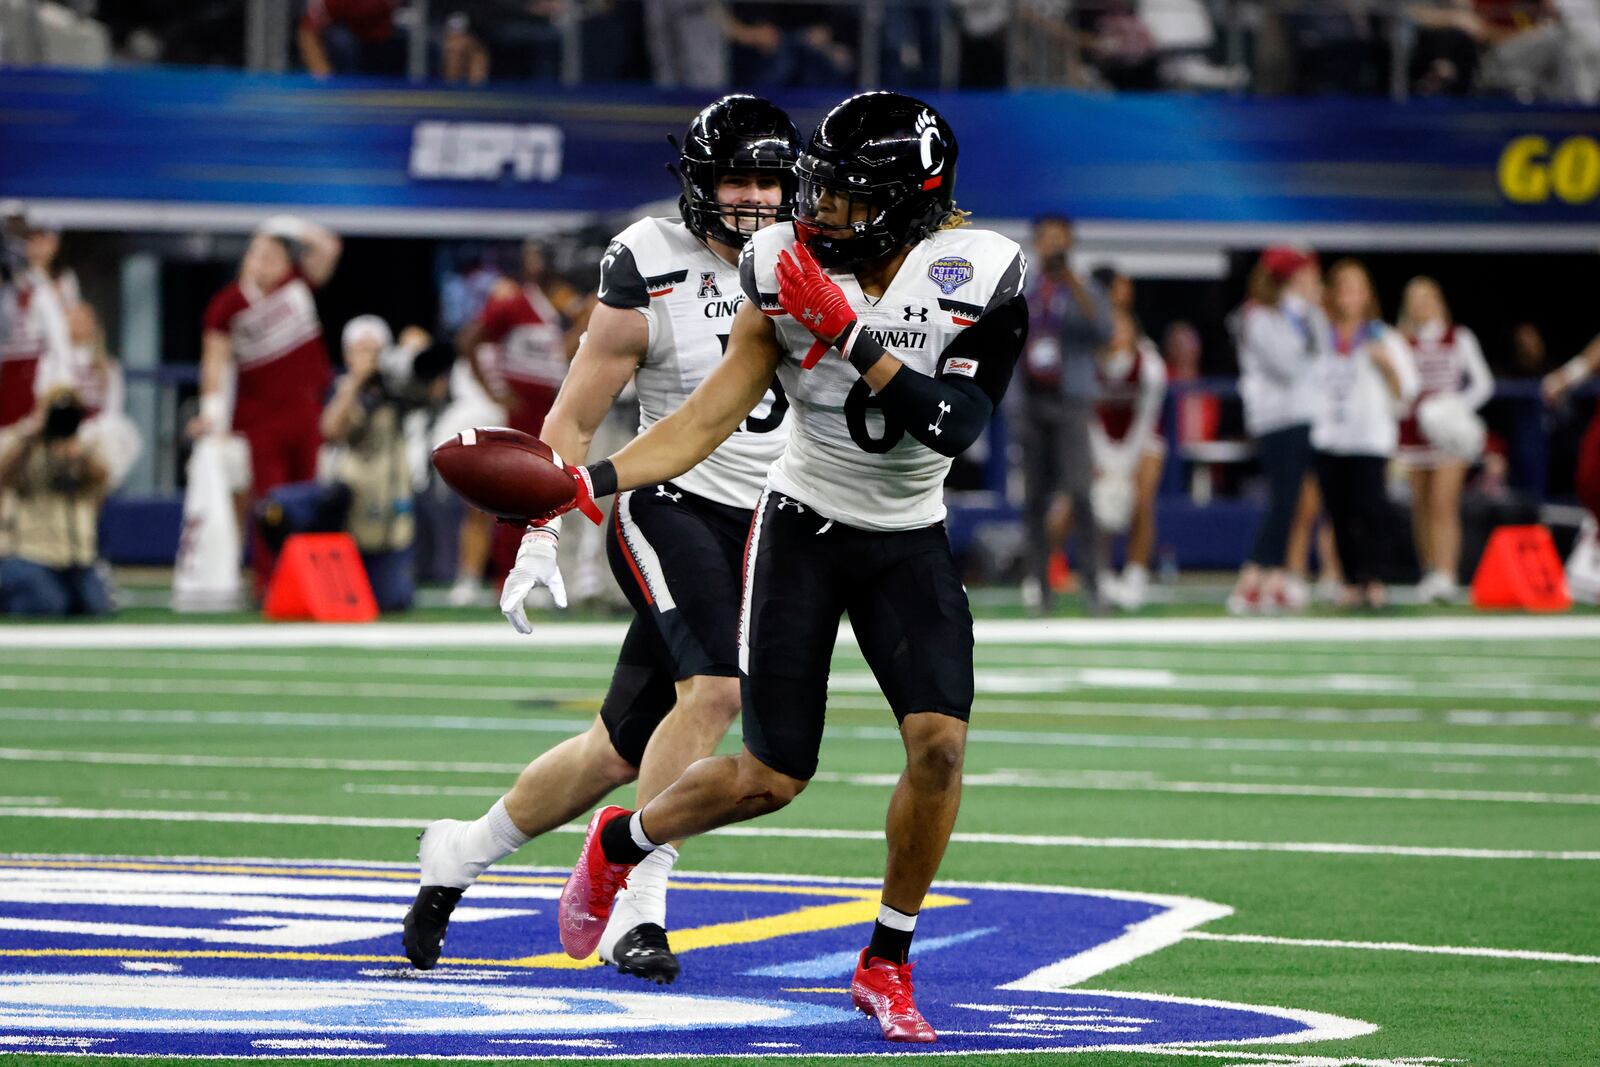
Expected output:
(883, 990)
(590, 890)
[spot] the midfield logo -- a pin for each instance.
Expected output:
(259, 958)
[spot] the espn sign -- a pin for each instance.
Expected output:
(483, 151)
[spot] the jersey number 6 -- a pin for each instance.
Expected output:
(856, 405)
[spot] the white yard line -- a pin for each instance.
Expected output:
(276, 763)
(82, 682)
(298, 720)
(1212, 630)
(1324, 848)
(539, 723)
(1065, 706)
(424, 790)
(1406, 658)
(1397, 946)
(533, 666)
(461, 663)
(592, 680)
(1145, 782)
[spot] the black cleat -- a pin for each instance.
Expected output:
(644, 952)
(426, 921)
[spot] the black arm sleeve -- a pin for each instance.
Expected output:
(949, 411)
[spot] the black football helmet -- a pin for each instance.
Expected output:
(893, 154)
(738, 134)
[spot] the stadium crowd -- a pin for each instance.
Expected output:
(1347, 418)
(1530, 49)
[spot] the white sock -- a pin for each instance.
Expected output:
(648, 885)
(896, 920)
(636, 831)
(642, 900)
(457, 852)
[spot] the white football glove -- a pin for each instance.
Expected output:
(536, 565)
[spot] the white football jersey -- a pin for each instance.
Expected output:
(689, 296)
(844, 459)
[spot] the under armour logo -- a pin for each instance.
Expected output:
(662, 490)
(785, 502)
(944, 409)
(916, 314)
(813, 317)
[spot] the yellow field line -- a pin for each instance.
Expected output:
(744, 931)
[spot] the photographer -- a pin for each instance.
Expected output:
(58, 481)
(366, 415)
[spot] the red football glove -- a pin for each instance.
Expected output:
(812, 298)
(582, 499)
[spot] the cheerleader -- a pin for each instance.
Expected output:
(1453, 381)
(1128, 451)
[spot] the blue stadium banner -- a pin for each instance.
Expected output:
(155, 144)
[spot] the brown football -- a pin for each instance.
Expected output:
(509, 474)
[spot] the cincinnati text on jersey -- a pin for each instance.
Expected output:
(899, 338)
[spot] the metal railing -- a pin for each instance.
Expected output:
(1252, 45)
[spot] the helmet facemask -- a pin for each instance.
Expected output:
(730, 224)
(876, 220)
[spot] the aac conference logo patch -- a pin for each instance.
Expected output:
(273, 959)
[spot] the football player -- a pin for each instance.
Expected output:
(894, 330)
(669, 293)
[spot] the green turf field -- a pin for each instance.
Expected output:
(1406, 828)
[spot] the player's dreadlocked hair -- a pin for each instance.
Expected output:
(955, 220)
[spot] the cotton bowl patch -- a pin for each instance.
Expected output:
(272, 959)
(950, 273)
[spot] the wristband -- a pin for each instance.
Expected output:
(553, 525)
(602, 478)
(860, 348)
